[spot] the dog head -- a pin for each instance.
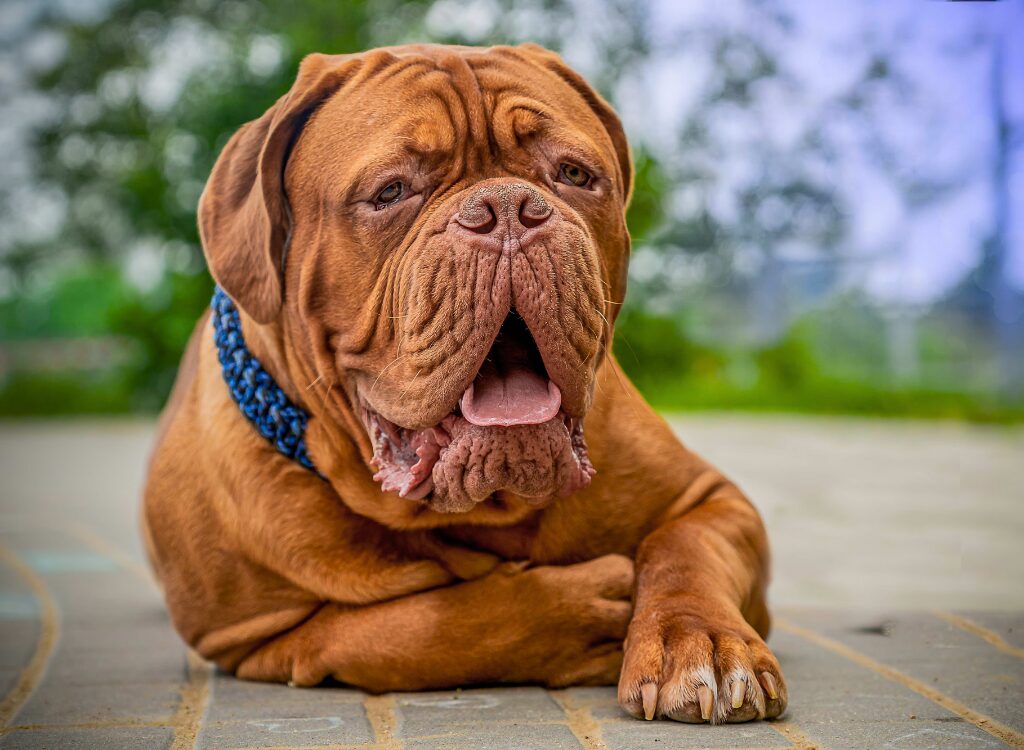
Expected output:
(439, 233)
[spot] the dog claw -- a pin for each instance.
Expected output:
(649, 696)
(770, 686)
(737, 693)
(706, 701)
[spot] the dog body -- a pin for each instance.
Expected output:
(427, 246)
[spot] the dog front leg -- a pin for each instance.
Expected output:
(695, 650)
(286, 519)
(551, 625)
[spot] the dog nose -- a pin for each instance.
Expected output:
(503, 208)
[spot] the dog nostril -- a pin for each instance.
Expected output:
(533, 212)
(531, 219)
(478, 218)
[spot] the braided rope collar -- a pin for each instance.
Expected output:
(260, 398)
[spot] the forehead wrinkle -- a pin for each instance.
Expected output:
(397, 84)
(470, 93)
(414, 65)
(547, 132)
(512, 76)
(384, 136)
(516, 117)
(516, 85)
(439, 133)
(433, 131)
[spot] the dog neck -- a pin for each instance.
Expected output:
(262, 401)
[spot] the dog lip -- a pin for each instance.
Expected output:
(404, 459)
(510, 390)
(432, 413)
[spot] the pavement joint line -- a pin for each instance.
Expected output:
(49, 634)
(581, 721)
(360, 746)
(380, 711)
(192, 704)
(997, 729)
(990, 636)
(86, 725)
(513, 722)
(446, 735)
(794, 734)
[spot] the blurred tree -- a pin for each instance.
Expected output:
(148, 92)
(739, 222)
(985, 299)
(147, 96)
(738, 203)
(1006, 309)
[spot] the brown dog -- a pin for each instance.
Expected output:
(428, 249)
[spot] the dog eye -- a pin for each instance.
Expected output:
(573, 175)
(389, 195)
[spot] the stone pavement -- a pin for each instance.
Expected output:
(863, 528)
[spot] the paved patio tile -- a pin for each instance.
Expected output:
(921, 735)
(240, 700)
(959, 664)
(115, 674)
(546, 737)
(440, 712)
(826, 688)
(346, 724)
(131, 738)
(59, 704)
(637, 735)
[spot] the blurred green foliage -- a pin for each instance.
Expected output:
(675, 373)
(132, 163)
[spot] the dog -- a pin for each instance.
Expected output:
(399, 452)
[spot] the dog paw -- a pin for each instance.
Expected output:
(687, 667)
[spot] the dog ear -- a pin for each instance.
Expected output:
(612, 124)
(244, 220)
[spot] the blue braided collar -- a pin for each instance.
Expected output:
(261, 399)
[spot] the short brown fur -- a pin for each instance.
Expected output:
(654, 575)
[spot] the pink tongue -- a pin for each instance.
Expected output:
(518, 396)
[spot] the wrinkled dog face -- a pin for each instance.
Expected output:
(457, 253)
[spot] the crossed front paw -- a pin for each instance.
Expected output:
(688, 666)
